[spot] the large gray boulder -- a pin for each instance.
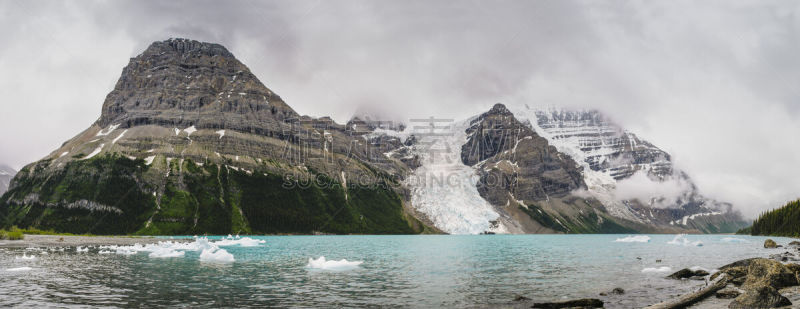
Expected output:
(770, 244)
(760, 297)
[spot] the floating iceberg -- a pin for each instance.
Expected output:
(343, 264)
(210, 250)
(244, 242)
(166, 253)
(216, 255)
(681, 240)
(637, 238)
(662, 269)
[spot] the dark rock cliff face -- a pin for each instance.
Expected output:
(182, 82)
(511, 158)
(527, 180)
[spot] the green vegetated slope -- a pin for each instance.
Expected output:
(113, 194)
(784, 221)
(589, 223)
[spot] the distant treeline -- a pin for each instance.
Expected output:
(784, 221)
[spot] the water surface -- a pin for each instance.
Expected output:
(397, 271)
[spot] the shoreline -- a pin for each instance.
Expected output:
(31, 240)
(760, 281)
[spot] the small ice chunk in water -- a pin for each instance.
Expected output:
(19, 269)
(342, 264)
(681, 239)
(82, 249)
(105, 252)
(662, 269)
(637, 238)
(216, 255)
(165, 253)
(244, 242)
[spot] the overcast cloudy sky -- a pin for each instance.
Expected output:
(715, 83)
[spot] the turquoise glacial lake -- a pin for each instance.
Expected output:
(418, 271)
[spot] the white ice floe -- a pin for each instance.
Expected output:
(123, 251)
(323, 264)
(243, 242)
(216, 255)
(210, 251)
(221, 133)
(166, 253)
(149, 160)
(733, 239)
(637, 238)
(19, 269)
(95, 152)
(81, 249)
(105, 252)
(681, 240)
(662, 269)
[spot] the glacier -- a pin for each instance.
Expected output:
(444, 189)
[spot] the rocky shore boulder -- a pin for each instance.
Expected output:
(783, 257)
(578, 303)
(772, 273)
(760, 297)
(688, 273)
(760, 279)
(770, 244)
(728, 293)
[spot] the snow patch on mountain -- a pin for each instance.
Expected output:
(108, 130)
(95, 152)
(618, 166)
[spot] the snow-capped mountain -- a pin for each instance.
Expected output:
(6, 173)
(526, 170)
(633, 178)
(189, 141)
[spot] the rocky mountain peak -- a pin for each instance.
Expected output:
(499, 109)
(182, 82)
(179, 47)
